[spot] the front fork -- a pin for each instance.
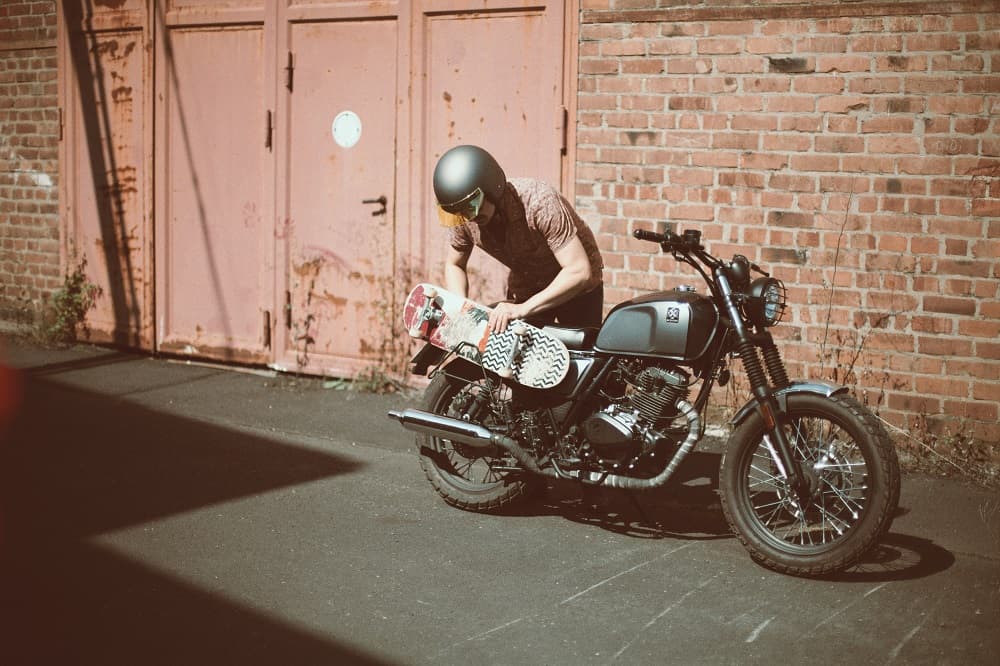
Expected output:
(780, 448)
(774, 418)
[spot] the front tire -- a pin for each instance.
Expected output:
(469, 478)
(853, 473)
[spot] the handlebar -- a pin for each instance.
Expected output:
(688, 244)
(669, 241)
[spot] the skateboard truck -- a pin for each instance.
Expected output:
(428, 314)
(520, 331)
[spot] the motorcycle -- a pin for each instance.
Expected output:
(809, 480)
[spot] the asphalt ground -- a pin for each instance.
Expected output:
(160, 512)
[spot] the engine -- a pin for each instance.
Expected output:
(640, 419)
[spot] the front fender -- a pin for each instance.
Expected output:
(814, 386)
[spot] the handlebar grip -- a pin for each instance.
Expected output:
(646, 235)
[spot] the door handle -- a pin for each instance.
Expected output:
(381, 201)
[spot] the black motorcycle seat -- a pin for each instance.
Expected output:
(573, 338)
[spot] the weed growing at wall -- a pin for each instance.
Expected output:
(393, 348)
(63, 316)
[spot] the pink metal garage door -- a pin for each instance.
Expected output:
(211, 238)
(293, 146)
(338, 205)
(105, 165)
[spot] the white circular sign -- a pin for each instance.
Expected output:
(346, 129)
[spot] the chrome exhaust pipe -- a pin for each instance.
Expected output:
(457, 430)
(445, 427)
(688, 411)
(478, 436)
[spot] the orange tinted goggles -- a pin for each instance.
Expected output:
(462, 211)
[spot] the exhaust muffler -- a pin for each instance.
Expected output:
(457, 430)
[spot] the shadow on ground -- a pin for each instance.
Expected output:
(688, 508)
(76, 465)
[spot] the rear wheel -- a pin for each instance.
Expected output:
(853, 475)
(471, 478)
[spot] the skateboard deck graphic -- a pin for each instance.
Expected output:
(524, 353)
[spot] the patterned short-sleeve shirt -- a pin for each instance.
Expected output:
(532, 222)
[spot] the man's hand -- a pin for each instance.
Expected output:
(503, 314)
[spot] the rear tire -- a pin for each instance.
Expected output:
(465, 476)
(851, 465)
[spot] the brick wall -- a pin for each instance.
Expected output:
(29, 156)
(853, 149)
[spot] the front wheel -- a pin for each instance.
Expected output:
(471, 478)
(853, 475)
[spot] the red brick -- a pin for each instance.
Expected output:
(842, 104)
(878, 85)
(931, 84)
(815, 162)
(821, 44)
(840, 144)
(944, 346)
(956, 104)
(689, 65)
(719, 45)
(791, 104)
(819, 84)
(769, 44)
(963, 63)
(787, 142)
(933, 42)
(764, 161)
(766, 85)
(671, 46)
(901, 63)
(981, 84)
(843, 63)
(893, 144)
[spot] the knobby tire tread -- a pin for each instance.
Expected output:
(887, 501)
(503, 494)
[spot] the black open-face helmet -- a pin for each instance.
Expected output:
(463, 178)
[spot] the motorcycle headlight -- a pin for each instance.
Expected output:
(766, 301)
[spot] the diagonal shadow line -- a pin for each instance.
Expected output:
(112, 358)
(84, 604)
(78, 463)
(94, 101)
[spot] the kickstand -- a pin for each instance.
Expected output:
(643, 516)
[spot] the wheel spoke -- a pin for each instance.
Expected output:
(831, 459)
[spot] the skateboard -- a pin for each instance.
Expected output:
(523, 353)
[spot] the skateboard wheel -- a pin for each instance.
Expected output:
(519, 329)
(430, 292)
(414, 332)
(506, 373)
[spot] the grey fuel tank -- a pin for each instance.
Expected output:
(678, 324)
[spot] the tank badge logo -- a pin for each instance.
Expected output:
(673, 315)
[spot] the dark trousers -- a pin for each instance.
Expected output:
(583, 311)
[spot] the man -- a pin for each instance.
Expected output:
(555, 265)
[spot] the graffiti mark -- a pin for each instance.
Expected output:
(251, 216)
(284, 230)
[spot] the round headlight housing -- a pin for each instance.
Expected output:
(766, 298)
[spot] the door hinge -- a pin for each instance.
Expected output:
(269, 131)
(288, 310)
(564, 130)
(267, 329)
(290, 71)
(60, 123)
